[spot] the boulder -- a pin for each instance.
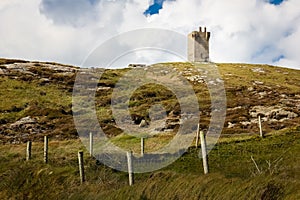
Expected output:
(143, 124)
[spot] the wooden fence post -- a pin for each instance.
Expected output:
(197, 135)
(204, 152)
(81, 166)
(45, 149)
(91, 144)
(130, 169)
(142, 146)
(28, 151)
(260, 126)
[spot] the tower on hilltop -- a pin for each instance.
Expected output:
(198, 46)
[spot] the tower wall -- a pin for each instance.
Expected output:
(198, 46)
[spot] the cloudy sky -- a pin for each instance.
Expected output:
(67, 31)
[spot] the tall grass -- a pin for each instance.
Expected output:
(233, 174)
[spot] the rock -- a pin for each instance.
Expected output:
(281, 114)
(65, 74)
(218, 80)
(3, 71)
(283, 96)
(23, 121)
(137, 65)
(245, 123)
(258, 83)
(196, 78)
(258, 70)
(262, 94)
(250, 89)
(25, 127)
(272, 112)
(143, 124)
(211, 83)
(59, 68)
(33, 69)
(235, 108)
(230, 125)
(20, 67)
(102, 88)
(44, 80)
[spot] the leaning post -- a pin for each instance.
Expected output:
(45, 149)
(260, 126)
(81, 166)
(91, 144)
(204, 152)
(130, 168)
(28, 151)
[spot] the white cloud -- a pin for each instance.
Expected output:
(251, 31)
(248, 31)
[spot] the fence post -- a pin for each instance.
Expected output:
(197, 135)
(45, 149)
(142, 146)
(91, 144)
(81, 166)
(130, 169)
(204, 152)
(28, 151)
(260, 127)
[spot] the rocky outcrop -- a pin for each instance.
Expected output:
(22, 130)
(44, 72)
(23, 123)
(270, 114)
(274, 113)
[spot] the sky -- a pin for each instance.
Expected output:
(67, 31)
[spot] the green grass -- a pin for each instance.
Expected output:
(152, 144)
(21, 96)
(233, 174)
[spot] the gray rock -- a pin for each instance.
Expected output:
(23, 121)
(3, 71)
(258, 83)
(272, 112)
(230, 125)
(258, 70)
(143, 124)
(235, 108)
(245, 123)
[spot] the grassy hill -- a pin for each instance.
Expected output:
(36, 100)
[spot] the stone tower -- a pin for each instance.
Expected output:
(198, 46)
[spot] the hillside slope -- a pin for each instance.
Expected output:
(36, 99)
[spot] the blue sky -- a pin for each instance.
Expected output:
(158, 5)
(155, 7)
(251, 31)
(276, 2)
